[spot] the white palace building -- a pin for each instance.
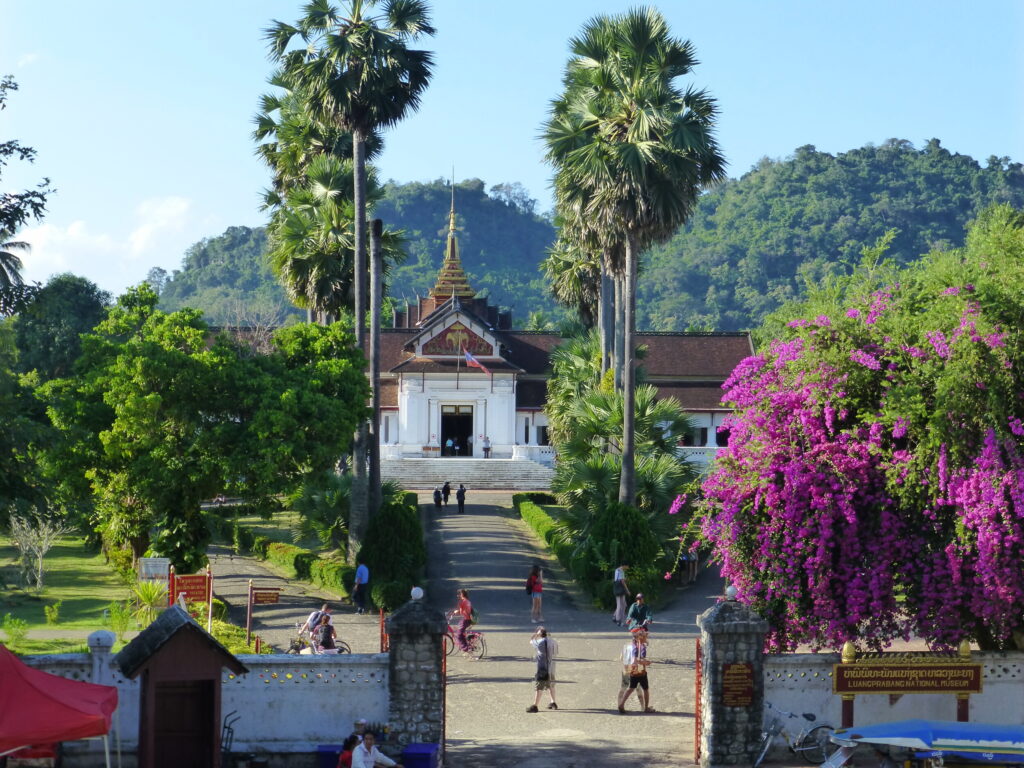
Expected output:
(434, 406)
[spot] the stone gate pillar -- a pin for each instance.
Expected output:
(415, 680)
(732, 683)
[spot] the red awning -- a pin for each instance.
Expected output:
(39, 708)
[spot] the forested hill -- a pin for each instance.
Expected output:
(749, 246)
(752, 241)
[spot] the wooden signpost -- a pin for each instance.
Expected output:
(194, 588)
(258, 596)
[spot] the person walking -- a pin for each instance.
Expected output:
(437, 498)
(464, 610)
(362, 586)
(535, 589)
(545, 650)
(620, 590)
(639, 615)
(634, 672)
(486, 445)
(460, 497)
(446, 491)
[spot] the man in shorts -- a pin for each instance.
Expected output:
(634, 672)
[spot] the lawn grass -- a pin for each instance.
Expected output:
(81, 579)
(279, 528)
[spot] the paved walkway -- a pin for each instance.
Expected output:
(489, 552)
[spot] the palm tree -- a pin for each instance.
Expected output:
(10, 262)
(632, 153)
(575, 277)
(357, 72)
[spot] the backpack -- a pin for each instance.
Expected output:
(474, 617)
(313, 621)
(529, 585)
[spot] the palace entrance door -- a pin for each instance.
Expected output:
(457, 426)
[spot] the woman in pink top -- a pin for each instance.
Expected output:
(536, 583)
(465, 612)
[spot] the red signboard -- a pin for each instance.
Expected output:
(195, 587)
(265, 596)
(737, 685)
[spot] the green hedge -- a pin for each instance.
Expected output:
(544, 526)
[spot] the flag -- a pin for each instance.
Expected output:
(472, 362)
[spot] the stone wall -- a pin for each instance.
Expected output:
(415, 669)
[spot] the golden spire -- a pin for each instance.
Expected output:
(452, 280)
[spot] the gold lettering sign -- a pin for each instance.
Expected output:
(918, 678)
(737, 685)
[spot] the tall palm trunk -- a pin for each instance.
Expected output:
(605, 319)
(359, 513)
(376, 299)
(620, 326)
(627, 480)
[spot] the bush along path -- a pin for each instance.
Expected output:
(489, 551)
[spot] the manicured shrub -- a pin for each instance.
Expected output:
(393, 548)
(390, 595)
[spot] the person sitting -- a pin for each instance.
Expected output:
(366, 755)
(324, 635)
(345, 758)
(639, 614)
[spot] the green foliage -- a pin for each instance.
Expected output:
(754, 243)
(233, 638)
(333, 576)
(15, 629)
(393, 549)
(52, 612)
(49, 328)
(295, 561)
(389, 595)
(150, 599)
(119, 618)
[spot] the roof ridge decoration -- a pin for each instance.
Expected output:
(451, 280)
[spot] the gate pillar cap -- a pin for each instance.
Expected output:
(416, 618)
(731, 616)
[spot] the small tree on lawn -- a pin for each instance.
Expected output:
(33, 536)
(873, 486)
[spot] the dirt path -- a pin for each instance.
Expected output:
(489, 552)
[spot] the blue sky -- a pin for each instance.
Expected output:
(141, 112)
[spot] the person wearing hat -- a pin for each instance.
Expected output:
(634, 671)
(639, 614)
(620, 590)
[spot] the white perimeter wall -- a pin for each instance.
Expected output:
(287, 703)
(802, 682)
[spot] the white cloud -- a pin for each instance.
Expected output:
(27, 60)
(159, 218)
(161, 230)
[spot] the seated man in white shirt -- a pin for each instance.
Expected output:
(366, 755)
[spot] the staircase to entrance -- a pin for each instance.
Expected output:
(478, 474)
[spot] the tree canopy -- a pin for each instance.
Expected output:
(873, 486)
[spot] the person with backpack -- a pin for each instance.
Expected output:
(437, 498)
(464, 610)
(323, 635)
(535, 589)
(313, 621)
(460, 497)
(545, 650)
(446, 491)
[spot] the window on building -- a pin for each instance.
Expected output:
(702, 436)
(542, 436)
(722, 437)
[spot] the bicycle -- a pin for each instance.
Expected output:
(475, 638)
(302, 644)
(814, 744)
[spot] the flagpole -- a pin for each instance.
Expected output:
(458, 365)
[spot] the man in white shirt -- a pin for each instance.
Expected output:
(634, 672)
(366, 755)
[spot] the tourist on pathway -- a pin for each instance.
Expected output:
(437, 498)
(486, 445)
(446, 491)
(313, 620)
(324, 634)
(545, 650)
(460, 497)
(639, 616)
(535, 589)
(361, 587)
(449, 446)
(464, 610)
(366, 755)
(634, 672)
(620, 589)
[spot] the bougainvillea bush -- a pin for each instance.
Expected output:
(873, 486)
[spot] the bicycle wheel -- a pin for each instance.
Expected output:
(478, 646)
(762, 750)
(449, 644)
(816, 747)
(342, 646)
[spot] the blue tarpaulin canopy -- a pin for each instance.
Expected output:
(942, 738)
